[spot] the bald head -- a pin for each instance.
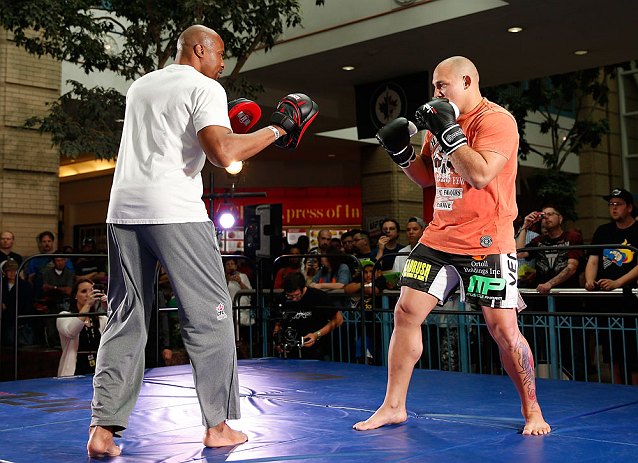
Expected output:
(457, 79)
(202, 48)
(461, 66)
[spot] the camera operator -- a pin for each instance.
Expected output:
(301, 319)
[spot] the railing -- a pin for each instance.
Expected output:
(453, 339)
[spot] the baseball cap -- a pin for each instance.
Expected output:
(418, 220)
(620, 193)
(86, 241)
(366, 263)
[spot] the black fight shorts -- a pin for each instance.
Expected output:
(489, 280)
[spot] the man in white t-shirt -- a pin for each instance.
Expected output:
(175, 119)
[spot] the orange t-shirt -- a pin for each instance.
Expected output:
(466, 220)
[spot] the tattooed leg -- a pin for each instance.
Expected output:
(518, 362)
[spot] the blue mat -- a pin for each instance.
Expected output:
(304, 410)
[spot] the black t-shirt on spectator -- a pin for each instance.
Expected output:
(90, 265)
(12, 256)
(551, 263)
(305, 317)
(615, 262)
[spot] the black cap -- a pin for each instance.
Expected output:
(620, 193)
(86, 241)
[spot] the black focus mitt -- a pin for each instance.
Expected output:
(294, 114)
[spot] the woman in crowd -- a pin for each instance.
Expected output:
(80, 336)
(334, 273)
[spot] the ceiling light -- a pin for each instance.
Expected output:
(580, 52)
(514, 30)
(348, 68)
(332, 155)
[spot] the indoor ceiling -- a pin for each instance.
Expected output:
(552, 31)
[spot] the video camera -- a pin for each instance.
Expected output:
(287, 337)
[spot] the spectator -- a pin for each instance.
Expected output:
(311, 268)
(334, 274)
(303, 243)
(526, 267)
(91, 268)
(361, 241)
(371, 289)
(80, 336)
(616, 268)
(38, 265)
(237, 281)
(323, 241)
(57, 283)
(13, 286)
(303, 310)
(336, 243)
(7, 240)
(413, 231)
(294, 265)
(556, 268)
(347, 242)
(388, 243)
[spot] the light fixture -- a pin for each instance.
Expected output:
(226, 215)
(514, 30)
(580, 52)
(332, 155)
(235, 167)
(348, 68)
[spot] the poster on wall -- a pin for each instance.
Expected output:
(232, 241)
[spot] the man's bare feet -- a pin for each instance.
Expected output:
(535, 424)
(384, 415)
(222, 436)
(101, 442)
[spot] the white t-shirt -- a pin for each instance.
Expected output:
(158, 172)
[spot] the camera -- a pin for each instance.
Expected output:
(541, 215)
(287, 337)
(98, 287)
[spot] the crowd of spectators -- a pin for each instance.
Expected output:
(58, 284)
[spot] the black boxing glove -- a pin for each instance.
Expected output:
(439, 117)
(395, 139)
(294, 114)
(243, 114)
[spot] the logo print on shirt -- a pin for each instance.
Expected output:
(220, 312)
(617, 256)
(486, 241)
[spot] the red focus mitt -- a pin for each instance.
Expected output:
(243, 114)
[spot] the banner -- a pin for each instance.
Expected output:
(381, 102)
(303, 207)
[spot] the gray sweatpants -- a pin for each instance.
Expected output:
(190, 255)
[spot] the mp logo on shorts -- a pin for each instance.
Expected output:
(481, 285)
(417, 270)
(220, 312)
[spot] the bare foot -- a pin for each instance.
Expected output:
(222, 436)
(101, 442)
(384, 415)
(535, 425)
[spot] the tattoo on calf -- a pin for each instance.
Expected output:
(526, 364)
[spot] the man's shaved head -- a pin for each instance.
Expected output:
(461, 66)
(457, 79)
(202, 48)
(194, 35)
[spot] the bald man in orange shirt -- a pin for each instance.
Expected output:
(470, 155)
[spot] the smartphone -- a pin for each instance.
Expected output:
(98, 287)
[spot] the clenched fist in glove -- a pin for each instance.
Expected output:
(294, 114)
(395, 139)
(439, 117)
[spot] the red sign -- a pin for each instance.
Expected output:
(316, 206)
